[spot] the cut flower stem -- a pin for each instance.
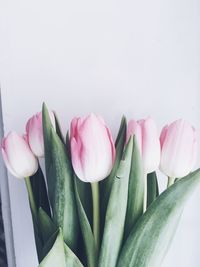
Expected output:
(170, 182)
(96, 212)
(31, 197)
(145, 193)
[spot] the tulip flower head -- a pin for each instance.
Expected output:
(18, 157)
(92, 148)
(34, 129)
(147, 138)
(178, 149)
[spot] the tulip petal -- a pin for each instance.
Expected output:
(97, 151)
(35, 135)
(176, 159)
(163, 135)
(34, 129)
(73, 128)
(19, 155)
(76, 160)
(8, 166)
(150, 145)
(135, 129)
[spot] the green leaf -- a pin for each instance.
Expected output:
(58, 128)
(60, 183)
(68, 144)
(149, 241)
(71, 259)
(85, 195)
(106, 184)
(152, 188)
(34, 213)
(38, 238)
(116, 212)
(56, 255)
(135, 190)
(86, 230)
(47, 227)
(49, 243)
(40, 191)
(121, 137)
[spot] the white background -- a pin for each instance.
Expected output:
(137, 58)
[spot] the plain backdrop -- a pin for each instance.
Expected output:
(138, 58)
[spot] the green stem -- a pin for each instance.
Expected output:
(31, 197)
(170, 181)
(96, 212)
(145, 193)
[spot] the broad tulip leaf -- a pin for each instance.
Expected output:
(47, 227)
(56, 255)
(116, 212)
(149, 240)
(34, 213)
(152, 188)
(88, 238)
(49, 243)
(68, 144)
(38, 237)
(135, 190)
(60, 183)
(58, 128)
(71, 259)
(106, 184)
(85, 195)
(40, 191)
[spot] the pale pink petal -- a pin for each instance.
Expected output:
(8, 166)
(111, 144)
(76, 160)
(73, 128)
(97, 148)
(135, 129)
(19, 156)
(163, 135)
(178, 149)
(150, 145)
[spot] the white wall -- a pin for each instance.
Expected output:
(137, 58)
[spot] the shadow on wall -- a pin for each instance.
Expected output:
(7, 255)
(3, 258)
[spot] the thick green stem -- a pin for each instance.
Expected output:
(96, 212)
(170, 182)
(145, 193)
(31, 197)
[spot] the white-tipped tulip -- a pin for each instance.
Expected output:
(92, 148)
(148, 142)
(178, 149)
(34, 129)
(18, 157)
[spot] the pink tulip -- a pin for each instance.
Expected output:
(17, 156)
(92, 148)
(178, 149)
(148, 142)
(34, 129)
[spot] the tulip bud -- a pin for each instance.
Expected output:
(34, 129)
(178, 149)
(148, 142)
(18, 156)
(92, 148)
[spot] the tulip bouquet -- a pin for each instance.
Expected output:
(98, 203)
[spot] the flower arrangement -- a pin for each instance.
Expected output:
(98, 203)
